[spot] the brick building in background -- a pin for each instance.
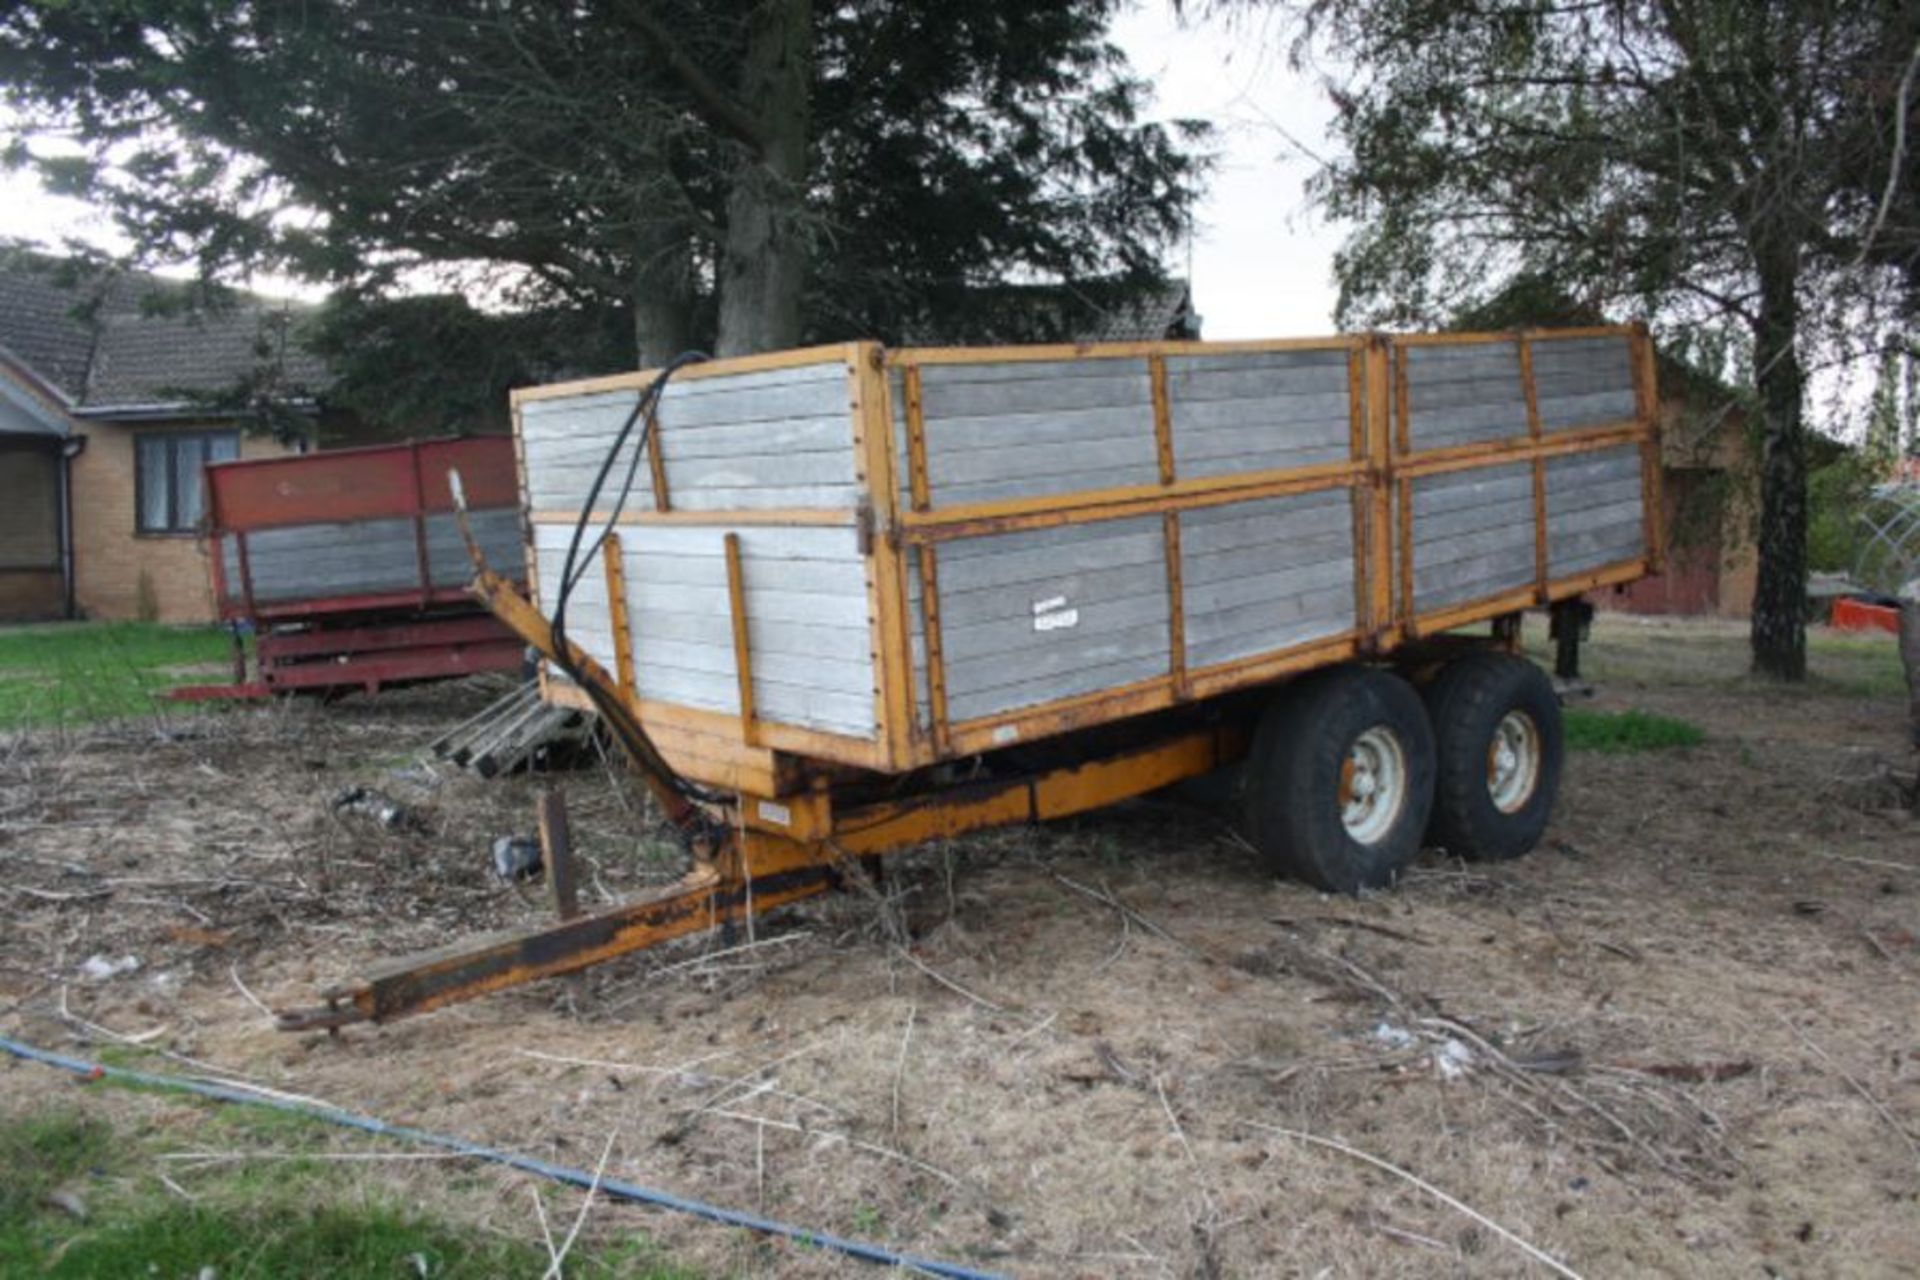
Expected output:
(109, 407)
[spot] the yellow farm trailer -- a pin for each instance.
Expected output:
(841, 601)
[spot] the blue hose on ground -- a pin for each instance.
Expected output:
(612, 1187)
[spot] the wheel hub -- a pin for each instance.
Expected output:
(1513, 761)
(1373, 784)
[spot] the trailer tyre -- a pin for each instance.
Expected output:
(1339, 779)
(1496, 724)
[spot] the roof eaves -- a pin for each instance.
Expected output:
(40, 385)
(177, 409)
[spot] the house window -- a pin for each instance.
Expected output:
(168, 483)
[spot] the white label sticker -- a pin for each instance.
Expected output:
(779, 813)
(1006, 733)
(1057, 620)
(1049, 604)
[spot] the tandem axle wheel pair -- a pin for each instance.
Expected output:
(1353, 770)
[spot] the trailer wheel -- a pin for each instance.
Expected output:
(1339, 779)
(1496, 722)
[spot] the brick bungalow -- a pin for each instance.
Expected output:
(108, 411)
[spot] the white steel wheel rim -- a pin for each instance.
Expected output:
(1513, 762)
(1373, 784)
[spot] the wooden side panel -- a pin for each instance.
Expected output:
(1464, 394)
(1038, 615)
(1031, 429)
(1257, 411)
(498, 533)
(365, 557)
(769, 440)
(805, 600)
(1266, 575)
(1595, 511)
(1584, 382)
(1472, 534)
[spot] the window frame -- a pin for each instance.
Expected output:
(172, 439)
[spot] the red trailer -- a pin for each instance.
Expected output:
(350, 570)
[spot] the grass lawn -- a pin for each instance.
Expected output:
(83, 1196)
(71, 673)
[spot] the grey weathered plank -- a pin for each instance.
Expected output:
(1050, 466)
(1463, 521)
(1136, 546)
(1500, 485)
(1610, 354)
(1254, 382)
(982, 627)
(1308, 417)
(1321, 442)
(1129, 475)
(968, 704)
(1328, 545)
(1037, 654)
(827, 671)
(1565, 412)
(1262, 520)
(1601, 494)
(1438, 355)
(1428, 398)
(1466, 546)
(1302, 359)
(943, 396)
(953, 436)
(1268, 626)
(1472, 579)
(1610, 463)
(1225, 593)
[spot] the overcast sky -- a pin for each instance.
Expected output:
(1260, 263)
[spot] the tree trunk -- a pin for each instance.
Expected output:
(763, 260)
(1779, 632)
(663, 295)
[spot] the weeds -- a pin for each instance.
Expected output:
(1624, 732)
(80, 1199)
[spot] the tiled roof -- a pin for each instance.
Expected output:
(104, 346)
(39, 329)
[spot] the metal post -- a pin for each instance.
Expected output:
(556, 849)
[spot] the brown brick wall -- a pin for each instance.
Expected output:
(120, 573)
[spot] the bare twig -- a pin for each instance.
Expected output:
(1873, 1101)
(546, 1232)
(947, 982)
(233, 971)
(900, 1068)
(871, 1148)
(1333, 1144)
(554, 1269)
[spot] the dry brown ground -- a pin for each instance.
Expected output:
(1686, 1031)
